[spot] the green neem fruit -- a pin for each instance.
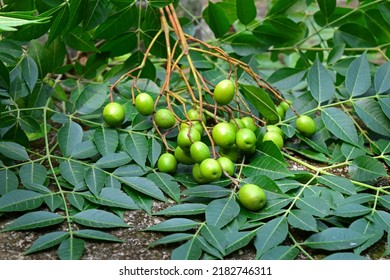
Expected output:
(210, 169)
(227, 165)
(285, 105)
(245, 139)
(274, 128)
(274, 137)
(237, 123)
(249, 123)
(199, 151)
(193, 115)
(197, 176)
(167, 163)
(280, 111)
(306, 125)
(223, 135)
(224, 92)
(164, 118)
(144, 104)
(232, 153)
(113, 114)
(183, 156)
(196, 124)
(186, 137)
(252, 197)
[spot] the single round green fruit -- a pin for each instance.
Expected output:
(285, 105)
(197, 176)
(223, 135)
(274, 137)
(227, 165)
(113, 114)
(280, 111)
(249, 123)
(252, 197)
(232, 153)
(187, 136)
(224, 92)
(306, 125)
(183, 156)
(167, 163)
(274, 128)
(237, 124)
(210, 169)
(164, 118)
(193, 115)
(245, 139)
(199, 151)
(144, 104)
(196, 124)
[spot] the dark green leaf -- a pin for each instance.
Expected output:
(73, 172)
(172, 238)
(58, 24)
(114, 198)
(270, 235)
(20, 200)
(287, 78)
(370, 112)
(320, 82)
(91, 98)
(76, 200)
(327, 7)
(351, 210)
(385, 105)
(222, 211)
(210, 191)
(335, 239)
(96, 234)
(280, 7)
(32, 173)
(215, 237)
(382, 78)
(337, 183)
(95, 12)
(358, 79)
(366, 168)
(187, 251)
(34, 220)
(238, 240)
(302, 220)
(207, 247)
(8, 181)
(13, 151)
(183, 209)
(336, 53)
(160, 3)
(143, 201)
(80, 40)
(377, 25)
(69, 136)
(340, 125)
(314, 205)
(4, 76)
(167, 184)
(130, 170)
(356, 35)
(71, 249)
(217, 20)
(47, 241)
(30, 72)
(98, 219)
(137, 147)
(344, 256)
(154, 151)
(281, 253)
(143, 185)
(85, 150)
(383, 219)
(113, 160)
(175, 224)
(95, 179)
(246, 11)
(268, 166)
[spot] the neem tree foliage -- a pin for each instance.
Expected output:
(62, 62)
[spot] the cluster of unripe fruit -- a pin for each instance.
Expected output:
(234, 138)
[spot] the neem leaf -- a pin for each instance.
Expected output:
(8, 181)
(246, 10)
(222, 211)
(209, 191)
(215, 237)
(71, 249)
(113, 160)
(337, 183)
(302, 220)
(95, 179)
(96, 234)
(382, 78)
(358, 78)
(237, 240)
(335, 239)
(320, 82)
(340, 125)
(98, 219)
(172, 238)
(281, 253)
(270, 235)
(73, 172)
(344, 256)
(46, 241)
(188, 251)
(137, 147)
(33, 220)
(114, 198)
(69, 136)
(261, 100)
(371, 113)
(106, 140)
(217, 19)
(268, 166)
(13, 151)
(143, 185)
(183, 209)
(20, 200)
(366, 168)
(175, 224)
(167, 184)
